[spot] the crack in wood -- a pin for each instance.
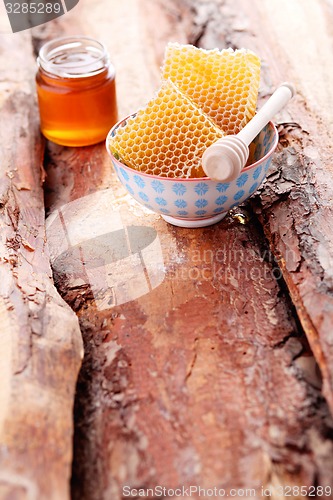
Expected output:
(195, 356)
(259, 411)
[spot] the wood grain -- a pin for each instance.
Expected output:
(207, 377)
(295, 207)
(41, 346)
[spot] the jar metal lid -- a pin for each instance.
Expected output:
(73, 57)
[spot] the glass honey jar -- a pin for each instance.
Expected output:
(76, 91)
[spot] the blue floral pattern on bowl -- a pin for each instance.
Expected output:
(139, 181)
(221, 200)
(241, 180)
(180, 203)
(179, 188)
(222, 186)
(194, 199)
(158, 186)
(201, 188)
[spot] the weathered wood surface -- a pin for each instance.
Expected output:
(40, 341)
(201, 374)
(295, 207)
(206, 378)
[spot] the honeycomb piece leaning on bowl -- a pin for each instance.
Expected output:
(167, 138)
(224, 84)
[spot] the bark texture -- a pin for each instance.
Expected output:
(208, 353)
(41, 346)
(202, 373)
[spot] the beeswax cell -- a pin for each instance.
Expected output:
(224, 84)
(166, 138)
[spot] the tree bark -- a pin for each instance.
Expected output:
(206, 378)
(41, 346)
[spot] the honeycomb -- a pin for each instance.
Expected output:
(224, 84)
(167, 137)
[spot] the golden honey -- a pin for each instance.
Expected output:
(223, 83)
(76, 91)
(167, 137)
(204, 95)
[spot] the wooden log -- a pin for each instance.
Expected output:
(192, 383)
(293, 207)
(206, 378)
(293, 40)
(41, 346)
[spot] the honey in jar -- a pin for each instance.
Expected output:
(76, 91)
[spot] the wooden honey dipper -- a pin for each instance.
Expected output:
(224, 160)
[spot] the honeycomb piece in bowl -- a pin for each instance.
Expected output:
(224, 84)
(167, 138)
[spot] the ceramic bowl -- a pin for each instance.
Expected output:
(197, 202)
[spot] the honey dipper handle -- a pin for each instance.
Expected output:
(275, 103)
